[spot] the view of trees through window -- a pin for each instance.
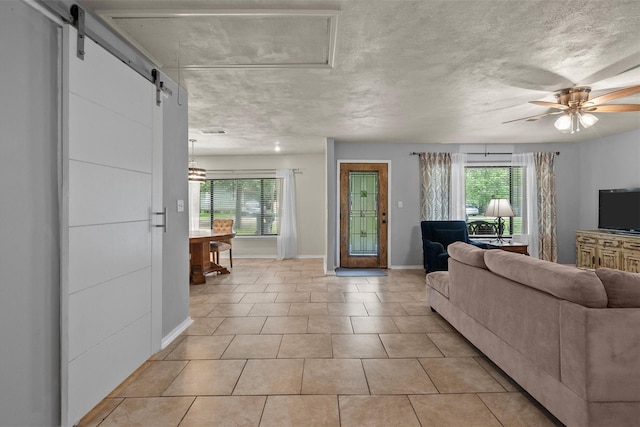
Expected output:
(483, 183)
(252, 203)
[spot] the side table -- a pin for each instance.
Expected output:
(509, 246)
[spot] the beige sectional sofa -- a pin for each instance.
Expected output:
(570, 337)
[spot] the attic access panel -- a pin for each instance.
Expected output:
(230, 39)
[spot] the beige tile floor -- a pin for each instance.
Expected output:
(277, 343)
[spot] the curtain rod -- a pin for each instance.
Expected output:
(296, 170)
(414, 153)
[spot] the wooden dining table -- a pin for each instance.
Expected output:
(200, 262)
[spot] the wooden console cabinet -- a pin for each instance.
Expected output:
(596, 249)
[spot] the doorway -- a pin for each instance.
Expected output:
(363, 215)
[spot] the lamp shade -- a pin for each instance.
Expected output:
(588, 120)
(499, 208)
(195, 173)
(564, 122)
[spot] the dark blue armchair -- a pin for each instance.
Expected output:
(436, 236)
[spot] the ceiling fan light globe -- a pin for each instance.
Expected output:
(587, 120)
(563, 124)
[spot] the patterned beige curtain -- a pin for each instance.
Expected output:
(546, 180)
(435, 173)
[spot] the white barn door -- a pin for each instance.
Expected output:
(111, 251)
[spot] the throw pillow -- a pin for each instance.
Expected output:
(622, 287)
(446, 237)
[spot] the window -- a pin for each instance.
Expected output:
(252, 204)
(483, 183)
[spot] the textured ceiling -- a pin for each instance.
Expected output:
(427, 71)
(206, 41)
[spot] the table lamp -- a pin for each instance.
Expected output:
(499, 208)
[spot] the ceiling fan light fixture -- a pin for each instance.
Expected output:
(575, 107)
(564, 123)
(587, 120)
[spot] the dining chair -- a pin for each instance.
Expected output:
(481, 228)
(221, 226)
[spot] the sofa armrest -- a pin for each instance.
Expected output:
(600, 352)
(431, 250)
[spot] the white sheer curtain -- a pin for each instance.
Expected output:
(530, 201)
(458, 197)
(194, 205)
(288, 237)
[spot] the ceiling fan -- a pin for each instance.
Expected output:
(576, 107)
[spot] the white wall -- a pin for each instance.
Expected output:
(331, 205)
(175, 245)
(310, 197)
(29, 220)
(567, 168)
(606, 163)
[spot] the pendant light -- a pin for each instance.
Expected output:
(196, 174)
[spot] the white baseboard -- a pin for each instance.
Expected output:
(251, 256)
(393, 267)
(407, 267)
(328, 272)
(273, 256)
(176, 332)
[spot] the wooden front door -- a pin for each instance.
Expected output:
(363, 215)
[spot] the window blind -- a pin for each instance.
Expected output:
(483, 183)
(253, 204)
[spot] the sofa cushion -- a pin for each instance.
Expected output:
(446, 237)
(623, 288)
(467, 254)
(562, 281)
(439, 280)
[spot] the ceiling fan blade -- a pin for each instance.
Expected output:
(529, 77)
(619, 108)
(534, 118)
(614, 95)
(622, 66)
(550, 105)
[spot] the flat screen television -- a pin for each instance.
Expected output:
(619, 210)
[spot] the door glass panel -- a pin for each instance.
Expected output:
(363, 213)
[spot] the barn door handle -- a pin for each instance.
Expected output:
(164, 219)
